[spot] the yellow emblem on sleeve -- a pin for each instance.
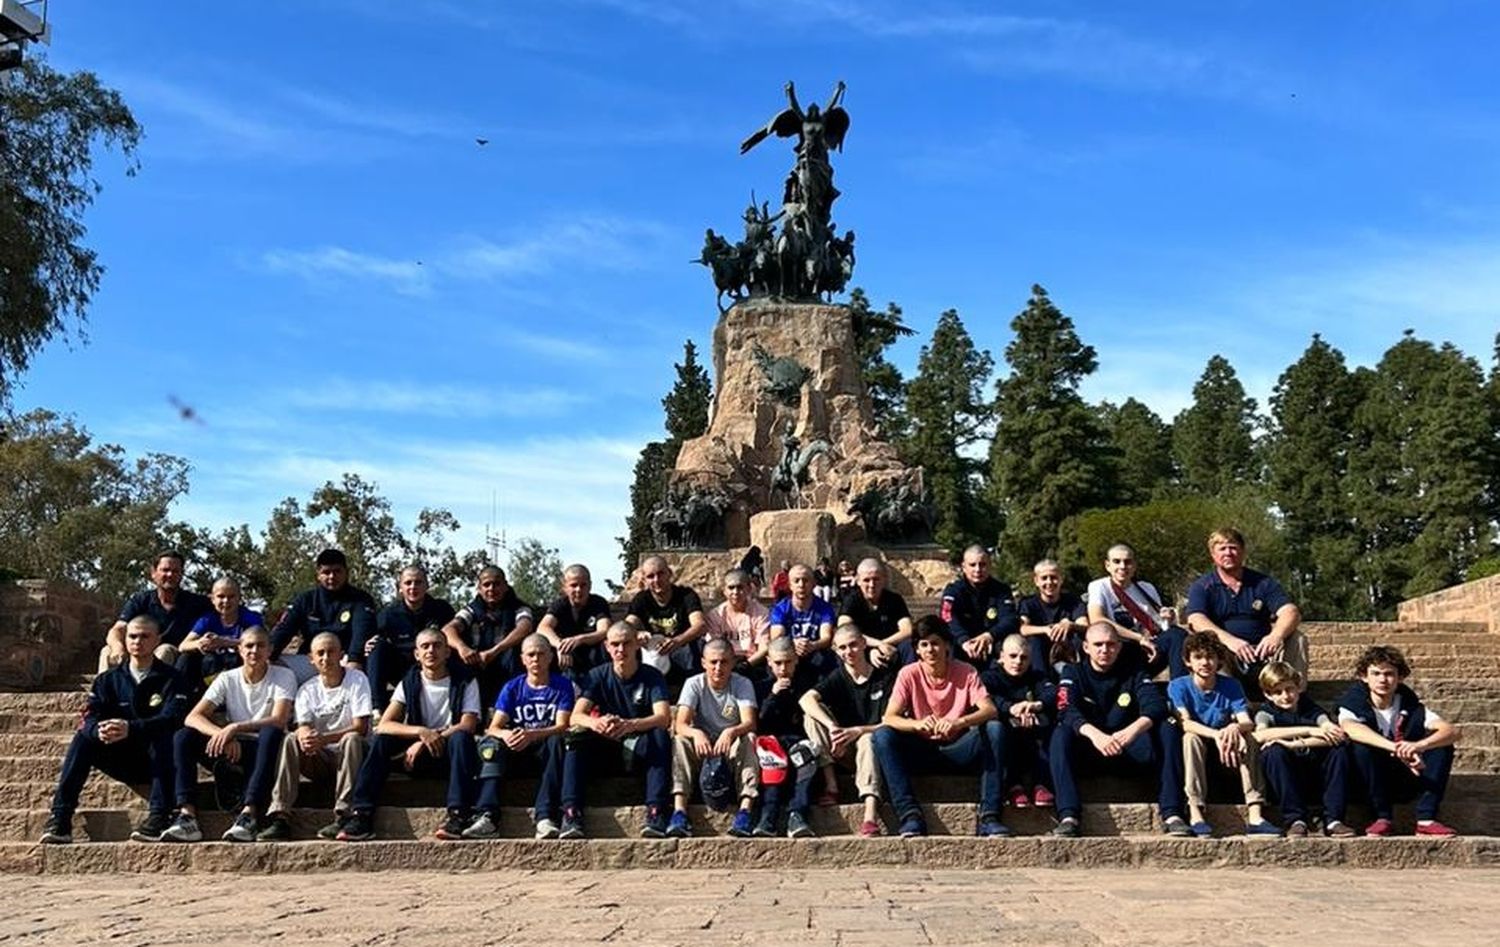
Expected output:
(992, 614)
(1257, 605)
(155, 700)
(1123, 700)
(344, 615)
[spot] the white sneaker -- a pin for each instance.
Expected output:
(482, 827)
(243, 829)
(546, 828)
(183, 829)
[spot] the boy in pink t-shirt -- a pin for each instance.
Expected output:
(940, 717)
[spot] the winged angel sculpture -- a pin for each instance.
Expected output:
(807, 259)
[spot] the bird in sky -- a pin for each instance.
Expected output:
(481, 141)
(186, 411)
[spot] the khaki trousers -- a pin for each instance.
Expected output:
(866, 769)
(1196, 753)
(340, 762)
(685, 765)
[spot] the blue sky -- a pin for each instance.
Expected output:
(320, 259)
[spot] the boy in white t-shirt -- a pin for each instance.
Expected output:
(256, 701)
(429, 726)
(333, 717)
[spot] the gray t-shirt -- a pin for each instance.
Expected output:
(717, 711)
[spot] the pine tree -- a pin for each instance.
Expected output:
(1419, 476)
(686, 408)
(873, 334)
(1140, 449)
(1213, 442)
(1047, 454)
(949, 414)
(1312, 416)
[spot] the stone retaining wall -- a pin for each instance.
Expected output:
(49, 631)
(1477, 601)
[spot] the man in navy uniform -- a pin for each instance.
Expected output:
(174, 609)
(391, 651)
(133, 711)
(333, 605)
(486, 635)
(1249, 611)
(980, 610)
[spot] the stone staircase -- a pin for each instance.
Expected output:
(1457, 672)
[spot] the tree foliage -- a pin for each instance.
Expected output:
(1213, 441)
(50, 125)
(949, 415)
(83, 512)
(534, 571)
(1140, 449)
(1047, 459)
(686, 408)
(1169, 537)
(1312, 416)
(874, 334)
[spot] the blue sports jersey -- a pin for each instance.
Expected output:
(799, 623)
(535, 708)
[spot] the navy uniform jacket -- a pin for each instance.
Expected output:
(1356, 700)
(154, 708)
(1110, 700)
(1034, 684)
(175, 623)
(971, 610)
(399, 625)
(348, 613)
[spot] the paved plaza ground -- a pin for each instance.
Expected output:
(1311, 907)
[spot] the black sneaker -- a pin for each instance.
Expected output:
(331, 830)
(151, 827)
(359, 827)
(453, 826)
(572, 825)
(57, 832)
(277, 829)
(655, 825)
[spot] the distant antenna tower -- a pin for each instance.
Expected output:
(21, 22)
(493, 541)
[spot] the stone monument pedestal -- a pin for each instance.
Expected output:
(803, 536)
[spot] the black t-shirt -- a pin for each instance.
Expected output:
(176, 622)
(856, 705)
(569, 624)
(880, 621)
(1068, 607)
(399, 625)
(667, 620)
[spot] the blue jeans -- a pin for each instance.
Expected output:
(496, 761)
(586, 754)
(1026, 755)
(135, 759)
(1387, 780)
(1157, 752)
(980, 748)
(1293, 775)
(460, 760)
(260, 755)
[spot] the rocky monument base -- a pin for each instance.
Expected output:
(792, 460)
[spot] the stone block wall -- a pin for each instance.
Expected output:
(1477, 601)
(49, 631)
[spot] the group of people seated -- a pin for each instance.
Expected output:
(755, 708)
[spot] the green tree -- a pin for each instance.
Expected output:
(50, 126)
(83, 512)
(534, 571)
(1312, 415)
(686, 408)
(1419, 470)
(949, 414)
(874, 333)
(1140, 447)
(450, 572)
(365, 529)
(1169, 537)
(1213, 441)
(1046, 456)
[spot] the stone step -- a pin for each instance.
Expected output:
(1136, 852)
(956, 819)
(1382, 630)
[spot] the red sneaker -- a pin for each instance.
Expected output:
(869, 829)
(1380, 828)
(1043, 798)
(1436, 828)
(1017, 798)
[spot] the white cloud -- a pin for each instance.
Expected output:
(404, 276)
(439, 400)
